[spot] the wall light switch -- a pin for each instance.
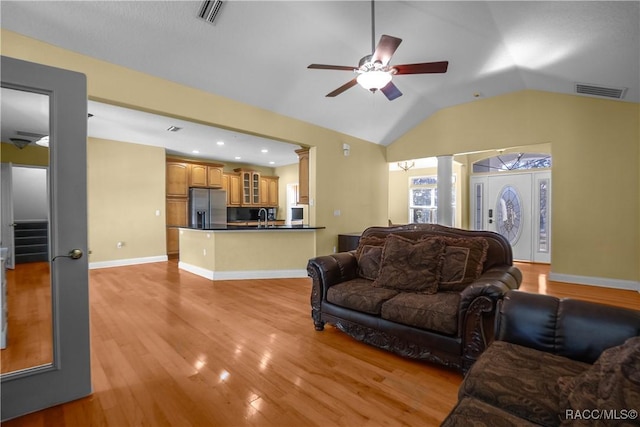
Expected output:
(157, 212)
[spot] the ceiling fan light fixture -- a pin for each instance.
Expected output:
(44, 141)
(374, 80)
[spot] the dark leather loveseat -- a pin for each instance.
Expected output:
(449, 322)
(555, 362)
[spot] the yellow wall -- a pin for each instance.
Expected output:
(247, 253)
(596, 186)
(359, 190)
(354, 185)
(126, 187)
(30, 155)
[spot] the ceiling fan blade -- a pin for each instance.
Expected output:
(331, 67)
(385, 49)
(423, 68)
(391, 91)
(348, 85)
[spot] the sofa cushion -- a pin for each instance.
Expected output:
(359, 295)
(369, 241)
(463, 262)
(369, 262)
(436, 312)
(611, 384)
(409, 265)
(470, 412)
(520, 380)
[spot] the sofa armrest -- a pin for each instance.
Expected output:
(326, 271)
(508, 274)
(476, 317)
(332, 269)
(579, 330)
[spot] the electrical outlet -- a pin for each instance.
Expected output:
(336, 212)
(119, 245)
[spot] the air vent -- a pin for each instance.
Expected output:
(607, 92)
(209, 10)
(29, 134)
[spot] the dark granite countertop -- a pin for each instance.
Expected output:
(229, 227)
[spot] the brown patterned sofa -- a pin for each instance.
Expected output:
(555, 362)
(424, 291)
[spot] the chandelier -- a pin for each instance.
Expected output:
(405, 166)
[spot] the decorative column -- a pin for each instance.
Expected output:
(445, 189)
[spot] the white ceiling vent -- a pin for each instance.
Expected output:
(607, 92)
(209, 10)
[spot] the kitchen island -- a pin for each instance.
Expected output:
(229, 252)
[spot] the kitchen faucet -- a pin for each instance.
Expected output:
(266, 217)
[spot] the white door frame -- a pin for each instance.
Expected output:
(6, 212)
(69, 376)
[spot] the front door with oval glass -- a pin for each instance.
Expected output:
(518, 206)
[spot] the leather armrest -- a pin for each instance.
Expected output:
(329, 270)
(491, 290)
(509, 275)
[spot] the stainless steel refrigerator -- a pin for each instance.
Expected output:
(207, 208)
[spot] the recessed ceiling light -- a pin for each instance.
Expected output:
(272, 163)
(195, 152)
(264, 150)
(220, 143)
(237, 157)
(173, 128)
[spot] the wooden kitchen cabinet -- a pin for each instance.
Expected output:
(303, 176)
(197, 175)
(177, 179)
(205, 176)
(177, 212)
(269, 191)
(177, 216)
(214, 177)
(231, 184)
(173, 240)
(249, 187)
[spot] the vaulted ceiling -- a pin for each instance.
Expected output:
(257, 52)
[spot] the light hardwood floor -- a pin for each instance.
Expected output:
(29, 340)
(171, 348)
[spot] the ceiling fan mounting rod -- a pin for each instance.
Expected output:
(373, 28)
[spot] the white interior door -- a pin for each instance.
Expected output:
(68, 376)
(6, 211)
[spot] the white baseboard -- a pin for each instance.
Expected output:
(242, 275)
(596, 281)
(128, 261)
(202, 272)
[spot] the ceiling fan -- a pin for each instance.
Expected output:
(374, 71)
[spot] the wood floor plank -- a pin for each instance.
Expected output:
(170, 348)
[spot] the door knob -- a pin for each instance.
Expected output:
(75, 254)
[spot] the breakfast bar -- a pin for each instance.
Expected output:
(228, 253)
